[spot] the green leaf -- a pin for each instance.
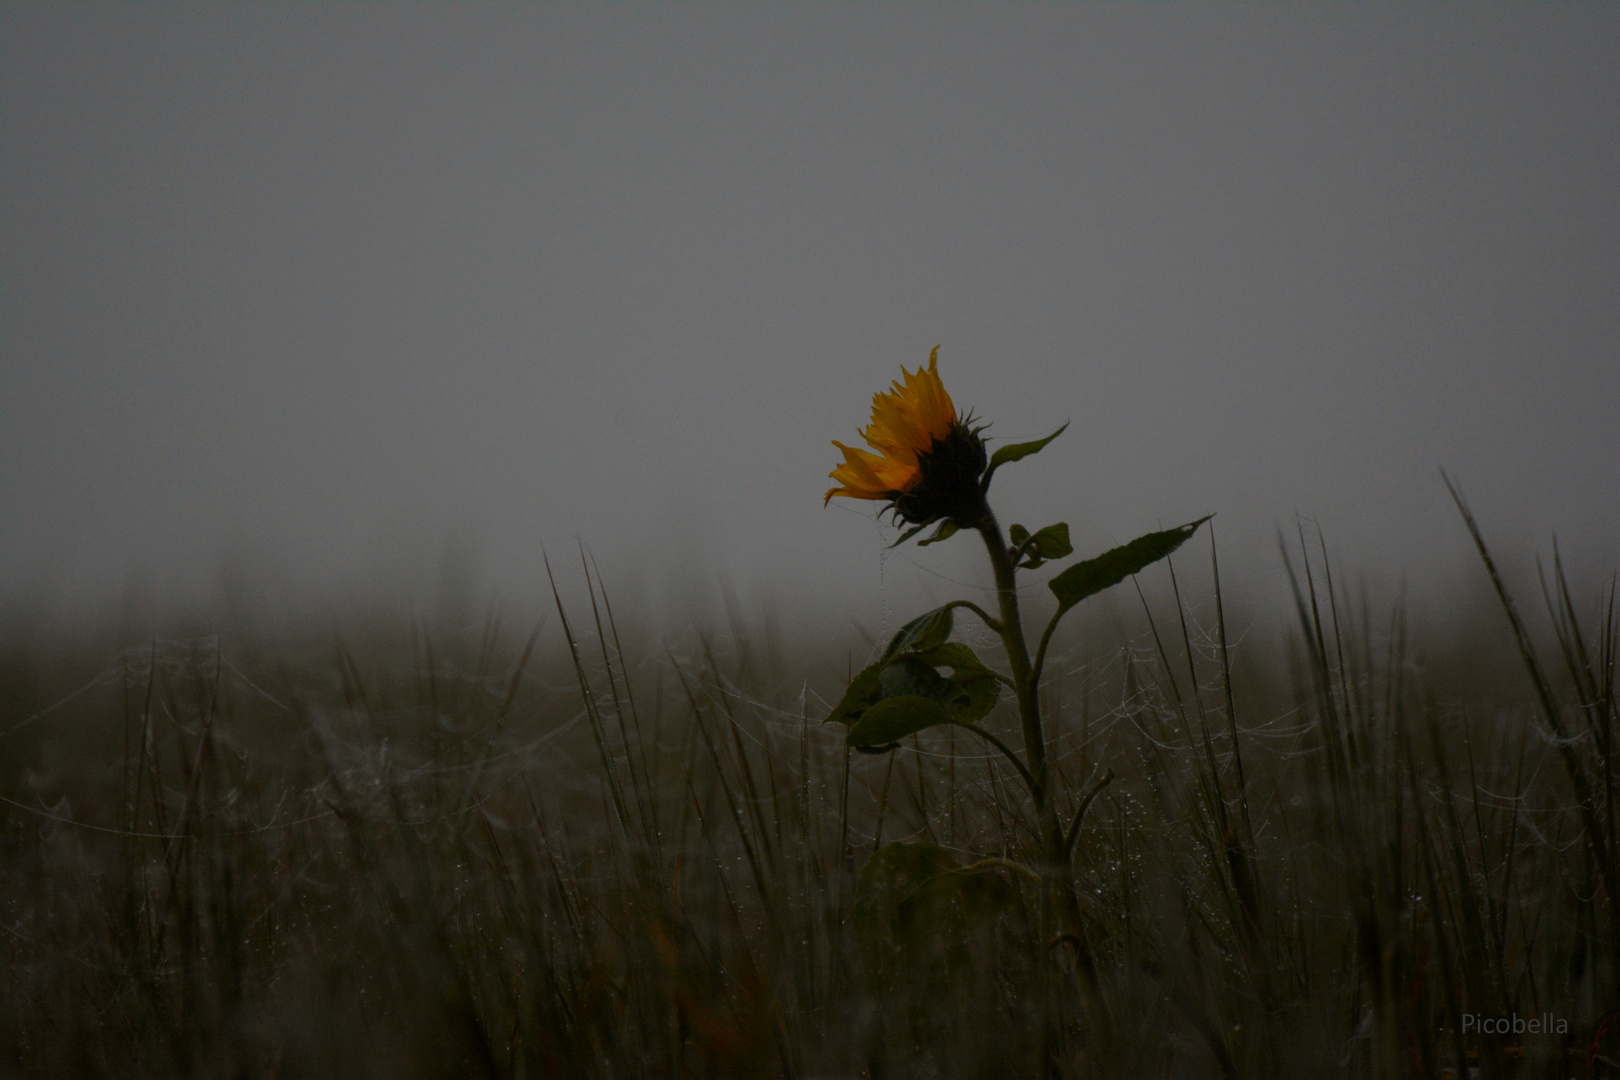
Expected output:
(976, 686)
(981, 692)
(946, 530)
(972, 687)
(954, 655)
(1111, 567)
(1017, 534)
(1017, 452)
(932, 700)
(921, 633)
(911, 676)
(892, 719)
(862, 692)
(1052, 542)
(907, 670)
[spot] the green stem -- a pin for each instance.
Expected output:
(1060, 904)
(1029, 709)
(983, 615)
(1040, 650)
(1085, 804)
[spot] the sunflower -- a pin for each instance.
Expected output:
(928, 459)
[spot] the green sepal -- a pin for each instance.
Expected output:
(908, 534)
(1111, 567)
(946, 530)
(1016, 452)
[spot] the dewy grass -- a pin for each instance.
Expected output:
(400, 854)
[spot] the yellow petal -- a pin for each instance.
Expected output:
(906, 421)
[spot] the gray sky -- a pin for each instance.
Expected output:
(317, 291)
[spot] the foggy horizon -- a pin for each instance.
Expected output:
(335, 300)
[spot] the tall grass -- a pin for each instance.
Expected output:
(564, 851)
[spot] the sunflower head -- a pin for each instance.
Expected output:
(928, 458)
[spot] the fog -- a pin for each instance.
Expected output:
(347, 299)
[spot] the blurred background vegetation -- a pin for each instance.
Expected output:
(460, 844)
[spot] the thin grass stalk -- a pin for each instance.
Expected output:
(750, 790)
(637, 787)
(593, 714)
(1597, 839)
(630, 696)
(1226, 686)
(736, 815)
(1353, 752)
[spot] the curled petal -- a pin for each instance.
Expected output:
(865, 475)
(910, 421)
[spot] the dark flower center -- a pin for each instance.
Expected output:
(947, 483)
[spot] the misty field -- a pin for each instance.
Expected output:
(406, 847)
